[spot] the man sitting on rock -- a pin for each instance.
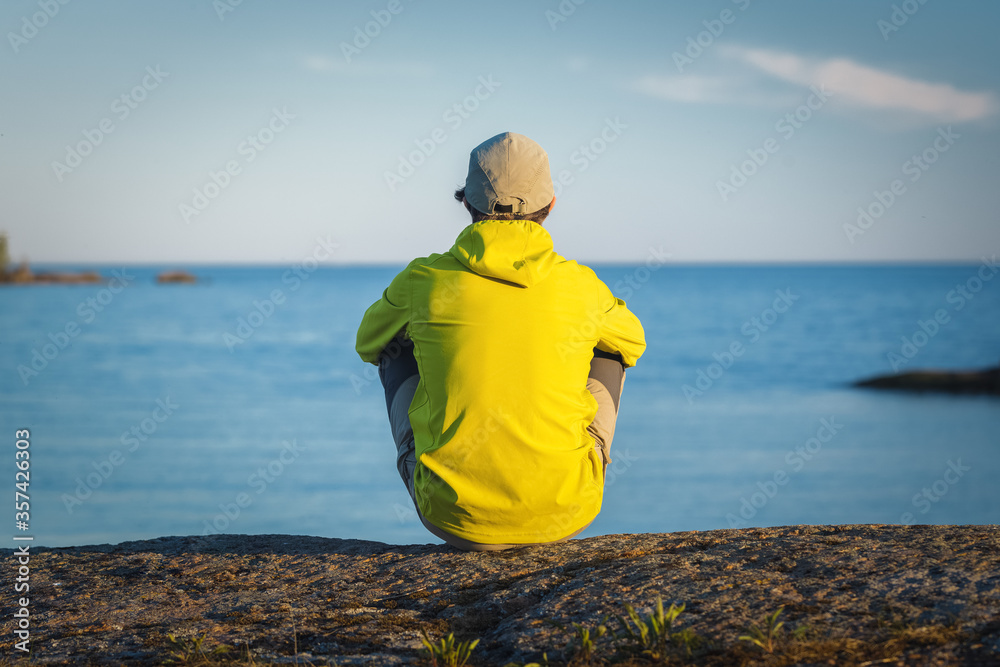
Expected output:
(503, 364)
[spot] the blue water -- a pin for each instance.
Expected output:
(776, 437)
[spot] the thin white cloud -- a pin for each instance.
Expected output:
(764, 77)
(326, 64)
(696, 89)
(323, 64)
(691, 89)
(866, 87)
(578, 64)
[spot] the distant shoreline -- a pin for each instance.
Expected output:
(23, 275)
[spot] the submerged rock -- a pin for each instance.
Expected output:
(914, 595)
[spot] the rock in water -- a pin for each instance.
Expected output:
(954, 382)
(176, 277)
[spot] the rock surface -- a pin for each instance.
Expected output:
(917, 595)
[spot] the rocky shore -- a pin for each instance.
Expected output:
(851, 595)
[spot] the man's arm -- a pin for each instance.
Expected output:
(621, 332)
(384, 319)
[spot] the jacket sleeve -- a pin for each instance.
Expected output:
(621, 331)
(384, 319)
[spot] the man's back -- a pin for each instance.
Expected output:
(501, 438)
(504, 330)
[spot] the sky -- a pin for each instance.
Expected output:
(249, 131)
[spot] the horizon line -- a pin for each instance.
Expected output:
(613, 262)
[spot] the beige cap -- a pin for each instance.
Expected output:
(509, 173)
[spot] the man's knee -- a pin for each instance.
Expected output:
(396, 364)
(602, 429)
(605, 383)
(399, 375)
(608, 369)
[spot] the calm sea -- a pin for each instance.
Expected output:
(238, 404)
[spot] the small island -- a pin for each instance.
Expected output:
(176, 278)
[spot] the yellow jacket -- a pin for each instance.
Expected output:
(503, 330)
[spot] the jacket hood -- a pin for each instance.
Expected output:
(517, 251)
